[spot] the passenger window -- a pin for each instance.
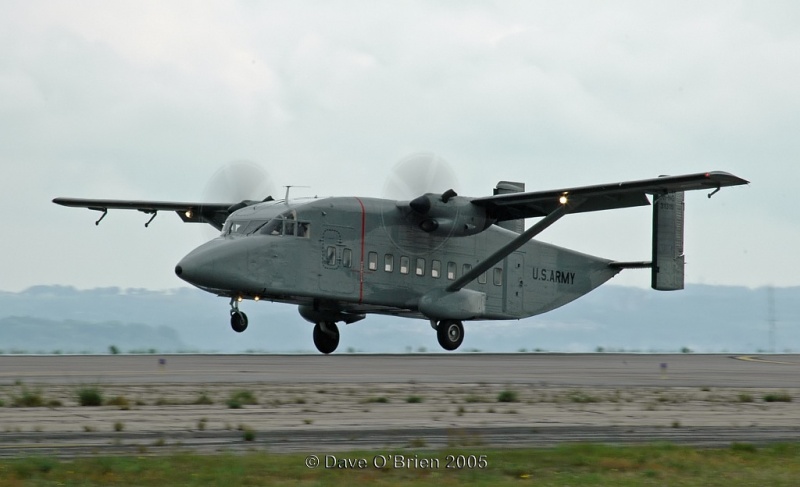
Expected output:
(498, 276)
(482, 278)
(330, 256)
(451, 270)
(347, 258)
(372, 262)
(436, 269)
(405, 263)
(388, 263)
(420, 267)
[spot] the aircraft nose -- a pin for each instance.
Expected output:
(218, 265)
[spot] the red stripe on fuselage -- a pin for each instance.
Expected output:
(361, 266)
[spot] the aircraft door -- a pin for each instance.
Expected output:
(339, 264)
(514, 285)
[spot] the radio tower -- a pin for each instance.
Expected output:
(771, 317)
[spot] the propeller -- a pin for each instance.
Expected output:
(235, 182)
(417, 174)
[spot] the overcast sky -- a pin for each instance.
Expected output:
(146, 100)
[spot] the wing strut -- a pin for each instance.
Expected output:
(510, 247)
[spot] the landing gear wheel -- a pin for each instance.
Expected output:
(238, 321)
(326, 336)
(450, 334)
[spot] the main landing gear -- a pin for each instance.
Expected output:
(238, 318)
(326, 336)
(450, 334)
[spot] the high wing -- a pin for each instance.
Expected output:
(212, 213)
(601, 196)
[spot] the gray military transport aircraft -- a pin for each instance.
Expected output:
(441, 257)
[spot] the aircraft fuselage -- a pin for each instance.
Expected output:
(346, 256)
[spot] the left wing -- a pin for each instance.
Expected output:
(601, 196)
(212, 213)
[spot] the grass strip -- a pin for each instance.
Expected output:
(575, 465)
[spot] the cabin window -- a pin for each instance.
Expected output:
(420, 270)
(404, 264)
(388, 263)
(498, 276)
(330, 256)
(274, 227)
(451, 270)
(436, 269)
(372, 261)
(347, 258)
(302, 230)
(288, 228)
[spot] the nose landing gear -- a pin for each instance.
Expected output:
(238, 318)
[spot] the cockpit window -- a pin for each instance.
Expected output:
(242, 227)
(286, 225)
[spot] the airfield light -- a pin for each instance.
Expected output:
(563, 199)
(188, 213)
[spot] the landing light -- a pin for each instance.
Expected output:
(239, 299)
(563, 199)
(256, 298)
(188, 213)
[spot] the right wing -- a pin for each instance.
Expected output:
(214, 214)
(598, 197)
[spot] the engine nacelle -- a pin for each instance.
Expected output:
(447, 215)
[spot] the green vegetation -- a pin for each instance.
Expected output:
(379, 400)
(203, 400)
(508, 396)
(119, 401)
(777, 397)
(581, 464)
(27, 398)
(414, 399)
(90, 396)
(241, 398)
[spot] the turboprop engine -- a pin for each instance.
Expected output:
(447, 214)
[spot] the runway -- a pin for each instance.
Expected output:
(606, 370)
(337, 403)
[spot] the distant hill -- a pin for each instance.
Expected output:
(701, 318)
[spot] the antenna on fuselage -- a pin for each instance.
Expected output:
(289, 186)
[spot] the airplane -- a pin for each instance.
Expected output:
(440, 256)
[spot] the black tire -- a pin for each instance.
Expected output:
(238, 321)
(326, 342)
(450, 334)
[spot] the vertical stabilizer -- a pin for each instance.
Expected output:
(505, 187)
(668, 258)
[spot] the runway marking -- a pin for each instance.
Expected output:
(750, 358)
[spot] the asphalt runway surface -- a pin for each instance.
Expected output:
(338, 403)
(607, 370)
